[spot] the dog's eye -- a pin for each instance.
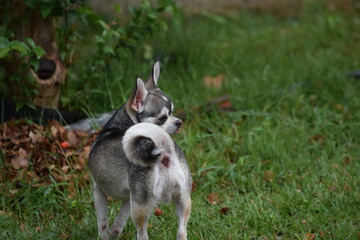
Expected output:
(163, 118)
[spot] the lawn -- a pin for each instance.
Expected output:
(277, 157)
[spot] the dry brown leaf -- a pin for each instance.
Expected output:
(65, 168)
(268, 176)
(158, 212)
(64, 236)
(224, 210)
(193, 186)
(84, 155)
(86, 177)
(78, 167)
(213, 198)
(71, 138)
(347, 160)
(20, 160)
(309, 236)
(36, 137)
(225, 105)
(318, 138)
(215, 82)
(81, 133)
(22, 227)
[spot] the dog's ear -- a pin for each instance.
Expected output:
(155, 73)
(138, 96)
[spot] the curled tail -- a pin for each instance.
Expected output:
(144, 143)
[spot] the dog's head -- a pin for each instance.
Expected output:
(147, 103)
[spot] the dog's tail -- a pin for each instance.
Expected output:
(144, 143)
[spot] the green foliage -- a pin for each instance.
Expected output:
(116, 42)
(29, 54)
(112, 41)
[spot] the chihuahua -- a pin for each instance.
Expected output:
(133, 159)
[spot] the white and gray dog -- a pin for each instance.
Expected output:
(134, 159)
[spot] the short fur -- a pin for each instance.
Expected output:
(127, 170)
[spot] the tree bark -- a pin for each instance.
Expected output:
(28, 23)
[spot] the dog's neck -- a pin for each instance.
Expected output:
(131, 113)
(120, 121)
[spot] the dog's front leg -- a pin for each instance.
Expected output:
(100, 202)
(140, 214)
(120, 221)
(183, 209)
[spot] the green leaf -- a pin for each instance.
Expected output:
(108, 50)
(45, 11)
(118, 8)
(103, 24)
(34, 64)
(19, 46)
(4, 51)
(4, 42)
(151, 15)
(30, 42)
(39, 51)
(4, 47)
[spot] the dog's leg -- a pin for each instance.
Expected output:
(140, 214)
(120, 221)
(101, 212)
(183, 210)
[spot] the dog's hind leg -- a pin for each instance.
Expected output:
(100, 202)
(183, 209)
(140, 214)
(120, 221)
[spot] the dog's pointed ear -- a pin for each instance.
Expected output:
(155, 73)
(138, 96)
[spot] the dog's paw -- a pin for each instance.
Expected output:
(115, 231)
(181, 236)
(104, 231)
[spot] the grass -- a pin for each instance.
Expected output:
(284, 161)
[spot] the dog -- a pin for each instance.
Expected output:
(138, 169)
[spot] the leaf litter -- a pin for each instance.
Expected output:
(37, 154)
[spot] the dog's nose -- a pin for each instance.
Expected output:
(178, 123)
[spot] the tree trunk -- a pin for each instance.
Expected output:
(28, 23)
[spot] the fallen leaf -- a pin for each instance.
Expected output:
(225, 105)
(21, 160)
(347, 160)
(158, 212)
(71, 138)
(65, 168)
(193, 187)
(86, 177)
(268, 176)
(309, 236)
(54, 131)
(213, 198)
(224, 210)
(64, 236)
(318, 138)
(36, 137)
(215, 82)
(22, 227)
(84, 155)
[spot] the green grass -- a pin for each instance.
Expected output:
(285, 161)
